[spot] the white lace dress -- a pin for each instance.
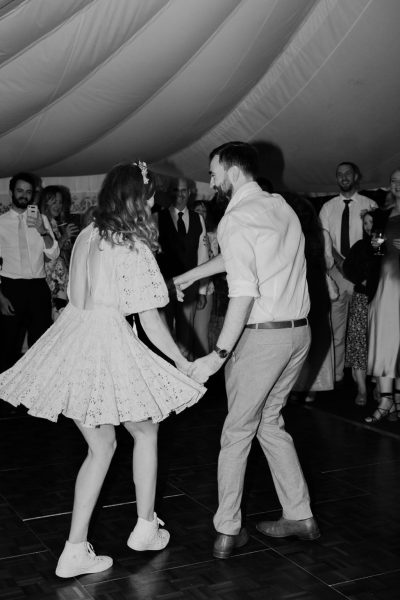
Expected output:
(89, 365)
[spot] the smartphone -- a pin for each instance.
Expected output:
(32, 211)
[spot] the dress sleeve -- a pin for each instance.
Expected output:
(140, 283)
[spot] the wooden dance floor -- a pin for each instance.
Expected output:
(353, 474)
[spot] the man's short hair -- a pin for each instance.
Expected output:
(27, 177)
(239, 154)
(353, 166)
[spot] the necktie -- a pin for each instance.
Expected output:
(181, 225)
(23, 249)
(344, 231)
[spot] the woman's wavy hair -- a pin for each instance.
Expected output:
(49, 193)
(122, 215)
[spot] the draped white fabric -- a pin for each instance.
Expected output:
(88, 83)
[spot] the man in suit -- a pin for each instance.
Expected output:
(183, 242)
(341, 217)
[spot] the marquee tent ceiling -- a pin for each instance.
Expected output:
(88, 83)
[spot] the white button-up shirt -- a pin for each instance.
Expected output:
(263, 249)
(9, 247)
(331, 217)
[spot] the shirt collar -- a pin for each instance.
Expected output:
(17, 214)
(354, 197)
(247, 189)
(178, 210)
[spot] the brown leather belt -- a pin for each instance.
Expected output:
(278, 324)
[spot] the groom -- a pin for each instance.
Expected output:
(264, 342)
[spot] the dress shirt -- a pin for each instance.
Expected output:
(331, 217)
(9, 249)
(263, 249)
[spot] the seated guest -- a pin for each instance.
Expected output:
(26, 240)
(362, 268)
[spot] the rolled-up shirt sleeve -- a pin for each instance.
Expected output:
(237, 247)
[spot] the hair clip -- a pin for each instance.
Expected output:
(143, 169)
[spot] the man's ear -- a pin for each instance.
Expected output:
(234, 173)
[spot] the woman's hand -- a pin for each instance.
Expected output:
(71, 230)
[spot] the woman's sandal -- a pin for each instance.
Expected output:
(383, 413)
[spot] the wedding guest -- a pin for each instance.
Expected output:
(183, 242)
(384, 315)
(57, 210)
(203, 313)
(26, 242)
(91, 367)
(317, 373)
(361, 267)
(340, 216)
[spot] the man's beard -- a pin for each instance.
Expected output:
(20, 202)
(346, 187)
(224, 191)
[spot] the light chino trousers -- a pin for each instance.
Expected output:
(259, 377)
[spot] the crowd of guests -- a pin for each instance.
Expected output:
(354, 283)
(288, 271)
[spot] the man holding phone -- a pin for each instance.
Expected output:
(26, 240)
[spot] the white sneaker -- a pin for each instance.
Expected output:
(78, 559)
(147, 535)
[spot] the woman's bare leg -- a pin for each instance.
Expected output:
(144, 465)
(102, 445)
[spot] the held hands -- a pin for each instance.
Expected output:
(202, 368)
(187, 368)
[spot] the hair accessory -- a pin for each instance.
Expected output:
(143, 169)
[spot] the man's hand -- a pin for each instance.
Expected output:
(6, 308)
(204, 367)
(36, 222)
(201, 301)
(174, 291)
(183, 281)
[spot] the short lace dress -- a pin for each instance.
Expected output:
(89, 365)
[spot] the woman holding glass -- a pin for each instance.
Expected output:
(384, 314)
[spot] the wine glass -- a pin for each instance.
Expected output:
(378, 237)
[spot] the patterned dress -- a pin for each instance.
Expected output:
(89, 365)
(384, 311)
